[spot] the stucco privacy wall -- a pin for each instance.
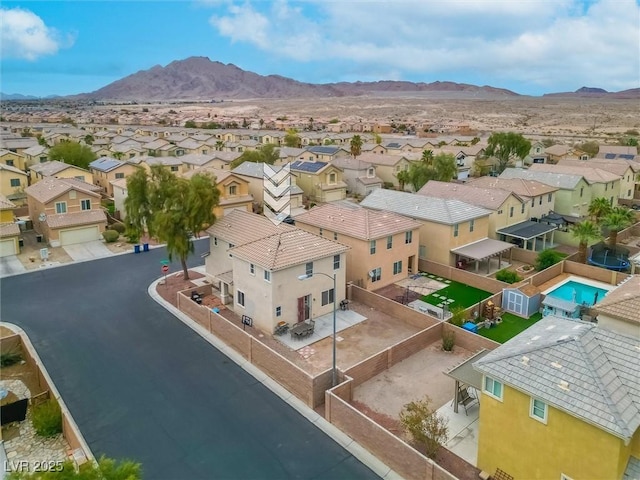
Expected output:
(484, 283)
(307, 388)
(70, 430)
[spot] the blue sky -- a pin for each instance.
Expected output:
(529, 46)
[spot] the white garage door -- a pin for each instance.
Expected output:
(79, 235)
(335, 195)
(7, 247)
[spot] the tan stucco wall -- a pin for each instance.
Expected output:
(536, 209)
(5, 182)
(569, 202)
(19, 161)
(439, 240)
(71, 172)
(502, 217)
(104, 179)
(610, 323)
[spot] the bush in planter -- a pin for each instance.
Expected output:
(507, 276)
(448, 341)
(547, 258)
(10, 357)
(458, 316)
(47, 418)
(110, 236)
(118, 227)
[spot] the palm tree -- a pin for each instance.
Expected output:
(356, 145)
(427, 157)
(219, 145)
(403, 178)
(598, 208)
(617, 219)
(585, 232)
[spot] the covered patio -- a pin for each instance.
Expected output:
(483, 251)
(528, 235)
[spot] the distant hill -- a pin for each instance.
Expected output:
(16, 96)
(198, 78)
(592, 92)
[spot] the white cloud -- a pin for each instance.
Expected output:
(539, 43)
(23, 34)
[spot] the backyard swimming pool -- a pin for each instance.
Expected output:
(577, 292)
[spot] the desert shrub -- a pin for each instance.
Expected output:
(547, 258)
(458, 316)
(426, 427)
(118, 227)
(10, 357)
(507, 276)
(448, 340)
(47, 418)
(110, 236)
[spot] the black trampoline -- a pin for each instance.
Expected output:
(604, 256)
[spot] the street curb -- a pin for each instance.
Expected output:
(346, 442)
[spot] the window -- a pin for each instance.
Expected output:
(85, 204)
(332, 178)
(397, 267)
(533, 202)
(231, 245)
(606, 186)
(549, 197)
(336, 262)
(522, 208)
(320, 231)
(510, 211)
(370, 173)
(455, 230)
(15, 182)
(372, 247)
(10, 163)
(119, 175)
(80, 177)
(267, 276)
(327, 297)
(335, 235)
(252, 269)
(540, 200)
(240, 298)
(232, 189)
(389, 242)
(581, 191)
(376, 274)
(61, 207)
(493, 387)
(308, 268)
(408, 237)
(278, 311)
(538, 410)
(174, 168)
(215, 241)
(472, 224)
(499, 212)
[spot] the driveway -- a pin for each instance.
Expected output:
(87, 251)
(10, 265)
(142, 385)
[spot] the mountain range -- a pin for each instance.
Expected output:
(199, 78)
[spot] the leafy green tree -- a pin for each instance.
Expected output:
(190, 124)
(261, 122)
(618, 218)
(506, 147)
(444, 167)
(598, 208)
(172, 209)
(268, 153)
(117, 155)
(425, 425)
(42, 142)
(547, 258)
(441, 167)
(585, 232)
(377, 138)
(292, 139)
(355, 146)
(403, 178)
(104, 469)
(72, 153)
(591, 148)
(88, 139)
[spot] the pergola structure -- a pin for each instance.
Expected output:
(484, 249)
(528, 233)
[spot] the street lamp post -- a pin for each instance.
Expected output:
(334, 372)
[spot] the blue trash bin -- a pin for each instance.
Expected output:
(145, 247)
(136, 249)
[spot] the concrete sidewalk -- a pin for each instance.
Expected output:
(338, 436)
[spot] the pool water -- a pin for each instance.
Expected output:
(579, 293)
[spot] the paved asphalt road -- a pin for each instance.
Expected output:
(142, 385)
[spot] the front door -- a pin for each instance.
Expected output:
(304, 308)
(410, 264)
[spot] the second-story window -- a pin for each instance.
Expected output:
(455, 230)
(372, 247)
(389, 242)
(85, 204)
(408, 237)
(308, 268)
(472, 224)
(232, 190)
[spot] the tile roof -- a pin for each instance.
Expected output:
(167, 161)
(325, 149)
(226, 156)
(590, 174)
(286, 249)
(106, 164)
(519, 186)
(586, 371)
(381, 159)
(35, 150)
(489, 198)
(9, 229)
(53, 167)
(9, 168)
(350, 163)
(310, 167)
(5, 204)
(239, 227)
(560, 180)
(198, 159)
(623, 302)
(558, 150)
(357, 222)
(419, 207)
(617, 149)
(50, 187)
(252, 169)
(617, 167)
(84, 217)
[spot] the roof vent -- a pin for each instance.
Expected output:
(550, 327)
(525, 360)
(556, 365)
(537, 337)
(564, 385)
(563, 337)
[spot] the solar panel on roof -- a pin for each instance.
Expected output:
(626, 156)
(610, 155)
(393, 145)
(311, 167)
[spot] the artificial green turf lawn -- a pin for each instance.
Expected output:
(510, 326)
(463, 295)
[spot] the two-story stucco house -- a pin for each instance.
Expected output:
(387, 166)
(13, 181)
(233, 190)
(360, 177)
(452, 232)
(620, 309)
(66, 211)
(57, 169)
(13, 159)
(106, 169)
(321, 182)
(561, 400)
(626, 170)
(257, 266)
(9, 230)
(384, 245)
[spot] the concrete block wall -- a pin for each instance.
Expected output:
(595, 273)
(468, 340)
(415, 343)
(484, 283)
